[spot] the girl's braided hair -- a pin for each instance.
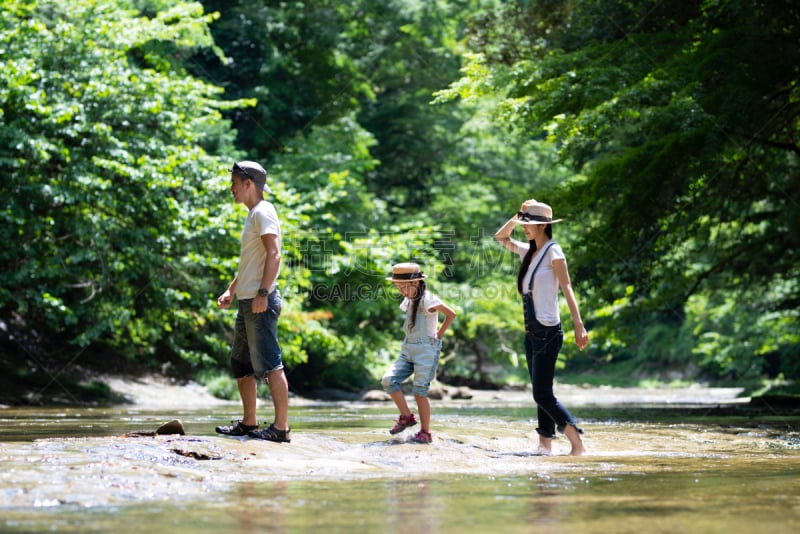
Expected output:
(415, 304)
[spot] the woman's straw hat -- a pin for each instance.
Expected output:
(534, 212)
(406, 272)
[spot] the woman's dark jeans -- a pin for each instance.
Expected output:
(542, 345)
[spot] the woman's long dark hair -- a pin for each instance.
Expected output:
(526, 261)
(415, 305)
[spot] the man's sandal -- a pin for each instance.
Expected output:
(272, 434)
(239, 429)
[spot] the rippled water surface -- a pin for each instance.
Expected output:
(650, 469)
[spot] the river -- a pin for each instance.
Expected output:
(659, 461)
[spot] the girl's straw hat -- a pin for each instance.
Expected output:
(405, 272)
(536, 213)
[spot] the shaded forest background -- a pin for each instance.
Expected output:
(665, 133)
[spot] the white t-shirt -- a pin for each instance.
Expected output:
(261, 220)
(426, 322)
(545, 284)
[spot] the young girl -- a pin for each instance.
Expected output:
(543, 271)
(421, 347)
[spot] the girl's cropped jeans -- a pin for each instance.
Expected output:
(420, 357)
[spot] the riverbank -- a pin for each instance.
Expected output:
(154, 391)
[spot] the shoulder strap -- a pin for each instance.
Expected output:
(541, 257)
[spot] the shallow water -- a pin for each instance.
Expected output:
(650, 469)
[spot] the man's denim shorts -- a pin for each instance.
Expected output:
(256, 350)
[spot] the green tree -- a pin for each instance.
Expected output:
(106, 153)
(289, 57)
(116, 208)
(683, 119)
(384, 60)
(312, 63)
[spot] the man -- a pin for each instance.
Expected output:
(256, 352)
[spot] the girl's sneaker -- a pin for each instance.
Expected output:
(423, 436)
(402, 423)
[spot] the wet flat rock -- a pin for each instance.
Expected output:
(112, 470)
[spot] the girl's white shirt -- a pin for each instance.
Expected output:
(545, 284)
(427, 322)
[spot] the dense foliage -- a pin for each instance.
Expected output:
(106, 190)
(665, 132)
(682, 119)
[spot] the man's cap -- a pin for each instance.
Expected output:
(250, 170)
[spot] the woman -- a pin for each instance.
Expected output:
(543, 271)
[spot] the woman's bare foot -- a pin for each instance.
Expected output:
(545, 447)
(575, 440)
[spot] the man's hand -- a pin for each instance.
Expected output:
(259, 304)
(224, 300)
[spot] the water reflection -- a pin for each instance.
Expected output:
(258, 505)
(652, 470)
